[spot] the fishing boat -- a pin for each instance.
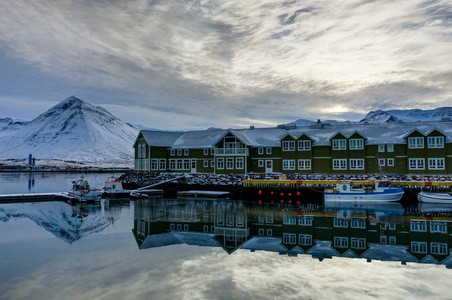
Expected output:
(82, 192)
(376, 191)
(113, 189)
(429, 197)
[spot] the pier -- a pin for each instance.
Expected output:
(36, 197)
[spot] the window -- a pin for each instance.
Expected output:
(436, 164)
(229, 163)
(205, 228)
(392, 240)
(239, 163)
(381, 148)
(383, 239)
(260, 163)
(304, 145)
(390, 148)
(185, 227)
(415, 142)
(288, 146)
(172, 227)
(305, 239)
(339, 164)
(206, 164)
(220, 219)
(179, 226)
(438, 248)
(162, 164)
(212, 164)
(416, 164)
(230, 219)
(304, 164)
(212, 151)
(358, 223)
(435, 142)
(418, 225)
(436, 226)
(260, 151)
(305, 221)
(289, 221)
(289, 238)
(269, 232)
(381, 162)
(358, 243)
(179, 152)
(390, 162)
(186, 164)
(268, 150)
(288, 164)
(220, 163)
(154, 164)
(340, 242)
(419, 247)
(356, 164)
(206, 151)
(173, 152)
(269, 218)
(172, 164)
(392, 226)
(261, 231)
(186, 152)
(356, 144)
(340, 223)
(339, 145)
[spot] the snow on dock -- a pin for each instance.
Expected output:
(35, 197)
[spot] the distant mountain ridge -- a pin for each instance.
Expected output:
(75, 130)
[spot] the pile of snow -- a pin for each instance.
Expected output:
(72, 130)
(140, 179)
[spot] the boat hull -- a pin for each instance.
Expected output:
(434, 198)
(387, 196)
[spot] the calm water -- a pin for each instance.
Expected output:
(220, 249)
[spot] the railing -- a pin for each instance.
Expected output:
(231, 151)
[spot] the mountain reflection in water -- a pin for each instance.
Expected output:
(372, 231)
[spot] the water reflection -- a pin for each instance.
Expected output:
(372, 231)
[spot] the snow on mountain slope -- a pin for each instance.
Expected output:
(409, 115)
(58, 218)
(7, 125)
(73, 130)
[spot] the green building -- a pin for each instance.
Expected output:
(321, 148)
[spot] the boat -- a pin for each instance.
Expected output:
(377, 191)
(429, 197)
(113, 189)
(82, 192)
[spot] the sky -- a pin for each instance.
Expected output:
(182, 65)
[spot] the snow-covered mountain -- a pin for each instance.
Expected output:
(8, 125)
(409, 115)
(58, 218)
(72, 130)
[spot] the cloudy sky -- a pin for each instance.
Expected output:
(233, 63)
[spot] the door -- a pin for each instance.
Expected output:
(193, 166)
(268, 166)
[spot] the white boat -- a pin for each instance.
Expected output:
(376, 192)
(82, 192)
(113, 189)
(435, 197)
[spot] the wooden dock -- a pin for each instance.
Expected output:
(203, 194)
(35, 197)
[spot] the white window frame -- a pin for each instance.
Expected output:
(220, 163)
(418, 225)
(304, 145)
(206, 152)
(268, 150)
(162, 164)
(438, 248)
(290, 220)
(358, 223)
(340, 223)
(305, 221)
(212, 151)
(206, 164)
(438, 226)
(383, 239)
(340, 144)
(186, 227)
(438, 163)
(288, 146)
(356, 164)
(419, 247)
(154, 164)
(239, 163)
(260, 151)
(381, 162)
(290, 238)
(179, 152)
(416, 163)
(435, 142)
(392, 240)
(341, 242)
(205, 228)
(340, 164)
(288, 164)
(212, 163)
(390, 162)
(172, 152)
(416, 142)
(356, 144)
(229, 163)
(172, 164)
(305, 239)
(260, 163)
(269, 232)
(358, 243)
(390, 148)
(186, 164)
(261, 231)
(186, 152)
(304, 164)
(381, 148)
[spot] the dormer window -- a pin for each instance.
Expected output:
(356, 144)
(435, 142)
(288, 145)
(339, 144)
(304, 145)
(416, 142)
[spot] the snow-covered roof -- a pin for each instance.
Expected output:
(265, 243)
(179, 237)
(387, 133)
(389, 253)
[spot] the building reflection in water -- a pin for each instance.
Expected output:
(373, 231)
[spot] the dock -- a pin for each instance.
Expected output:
(204, 194)
(35, 197)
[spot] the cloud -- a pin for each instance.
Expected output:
(229, 62)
